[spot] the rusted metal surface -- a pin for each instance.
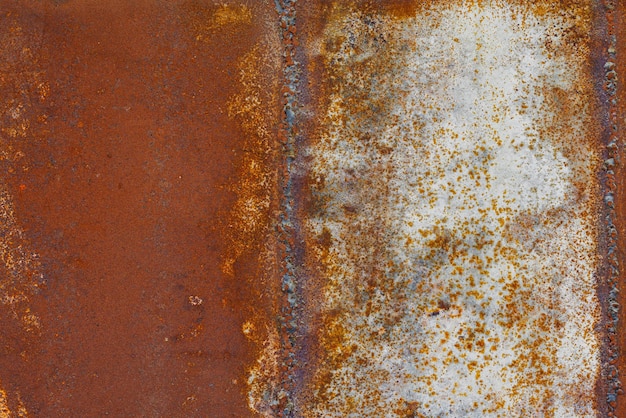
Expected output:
(137, 185)
(312, 209)
(454, 222)
(616, 28)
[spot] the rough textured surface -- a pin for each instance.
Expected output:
(137, 172)
(455, 212)
(355, 208)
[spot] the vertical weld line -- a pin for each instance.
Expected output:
(283, 404)
(611, 373)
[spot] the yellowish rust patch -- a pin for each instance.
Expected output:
(252, 109)
(5, 411)
(455, 191)
(19, 266)
(228, 15)
(206, 21)
(20, 269)
(255, 108)
(250, 216)
(20, 273)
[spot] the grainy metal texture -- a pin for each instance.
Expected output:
(616, 33)
(454, 213)
(137, 185)
(349, 208)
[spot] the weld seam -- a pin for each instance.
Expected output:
(283, 404)
(614, 386)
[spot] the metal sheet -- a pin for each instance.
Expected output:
(454, 221)
(310, 209)
(137, 184)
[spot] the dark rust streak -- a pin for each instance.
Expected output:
(617, 20)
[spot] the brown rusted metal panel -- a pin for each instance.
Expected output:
(349, 208)
(137, 183)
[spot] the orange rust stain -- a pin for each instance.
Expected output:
(255, 110)
(251, 221)
(15, 410)
(20, 275)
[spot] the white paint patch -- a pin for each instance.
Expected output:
(456, 181)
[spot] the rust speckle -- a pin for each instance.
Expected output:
(446, 169)
(12, 408)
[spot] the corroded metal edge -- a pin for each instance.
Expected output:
(615, 12)
(278, 400)
(609, 385)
